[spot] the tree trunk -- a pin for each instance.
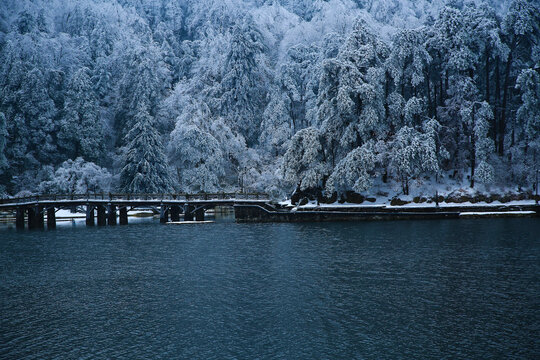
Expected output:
(430, 112)
(441, 98)
(497, 101)
(386, 93)
(506, 89)
(487, 75)
(435, 99)
(446, 80)
(473, 149)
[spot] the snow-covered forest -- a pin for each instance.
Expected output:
(268, 95)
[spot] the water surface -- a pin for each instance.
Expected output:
(370, 290)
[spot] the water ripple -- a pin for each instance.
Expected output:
(433, 289)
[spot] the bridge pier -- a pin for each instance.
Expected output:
(111, 214)
(31, 218)
(35, 217)
(51, 217)
(175, 213)
(19, 218)
(199, 214)
(188, 213)
(101, 217)
(90, 217)
(40, 217)
(164, 214)
(123, 215)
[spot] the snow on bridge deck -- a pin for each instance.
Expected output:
(132, 200)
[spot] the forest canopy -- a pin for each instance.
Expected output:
(268, 95)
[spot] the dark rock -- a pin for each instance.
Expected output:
(439, 199)
(398, 202)
(458, 197)
(310, 194)
(330, 200)
(371, 199)
(354, 198)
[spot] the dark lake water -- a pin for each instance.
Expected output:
(372, 290)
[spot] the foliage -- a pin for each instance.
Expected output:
(77, 177)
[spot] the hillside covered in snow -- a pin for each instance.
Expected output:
(323, 97)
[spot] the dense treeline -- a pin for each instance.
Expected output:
(154, 96)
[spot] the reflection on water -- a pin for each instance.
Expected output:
(371, 290)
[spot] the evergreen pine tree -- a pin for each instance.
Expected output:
(145, 168)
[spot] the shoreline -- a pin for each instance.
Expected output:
(245, 213)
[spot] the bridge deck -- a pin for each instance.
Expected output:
(133, 200)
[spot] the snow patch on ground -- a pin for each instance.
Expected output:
(386, 204)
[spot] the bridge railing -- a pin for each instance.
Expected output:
(147, 197)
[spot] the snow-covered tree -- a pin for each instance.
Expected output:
(245, 81)
(483, 145)
(528, 116)
(3, 140)
(304, 162)
(197, 157)
(145, 79)
(250, 74)
(408, 60)
(3, 159)
(145, 168)
(351, 95)
(411, 155)
(77, 177)
(354, 172)
(277, 125)
(298, 77)
(81, 131)
(521, 30)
